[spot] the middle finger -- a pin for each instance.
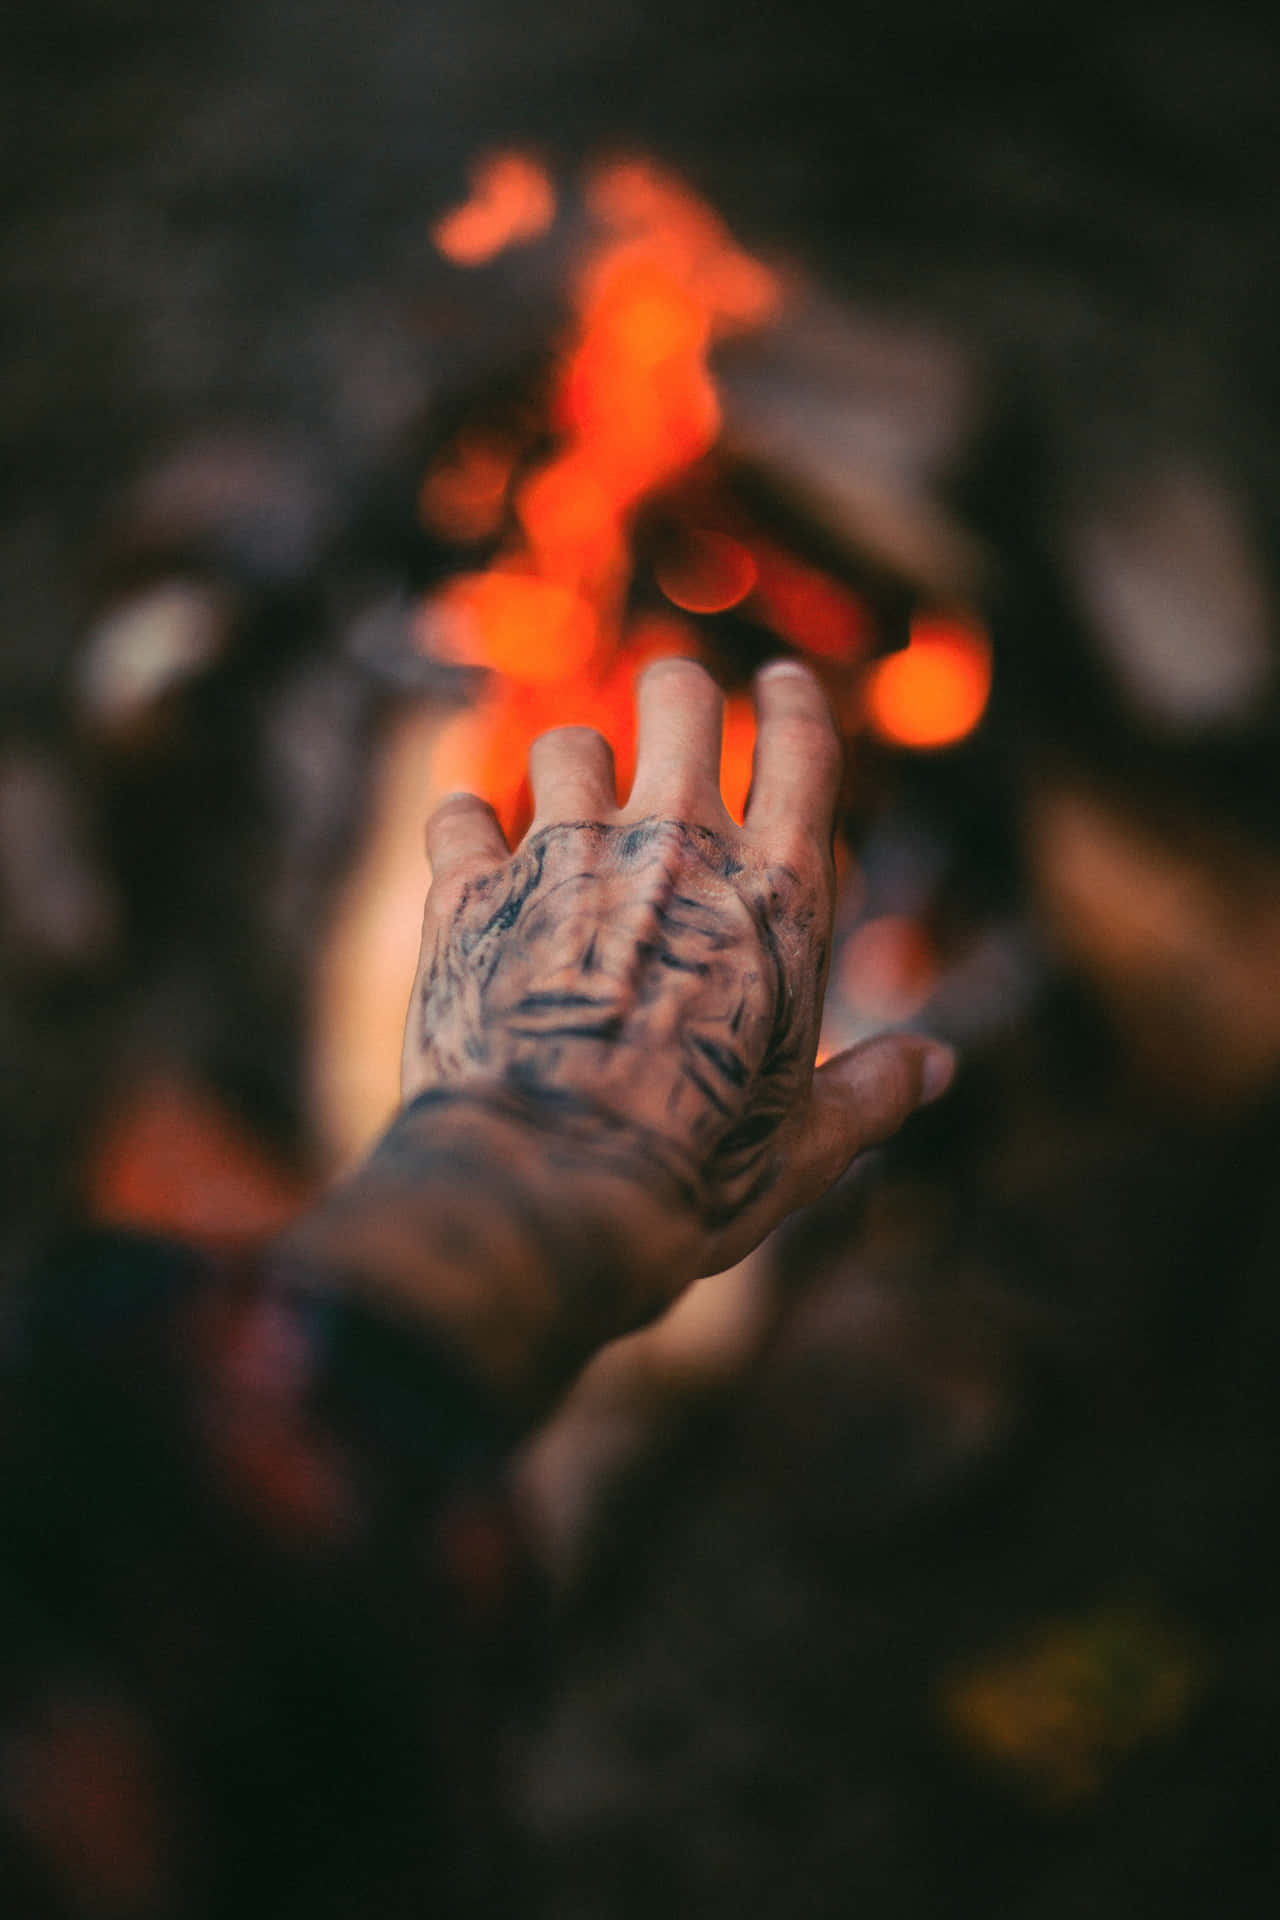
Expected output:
(680, 713)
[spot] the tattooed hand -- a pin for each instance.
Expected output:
(608, 1062)
(647, 981)
(651, 989)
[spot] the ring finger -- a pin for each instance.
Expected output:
(571, 776)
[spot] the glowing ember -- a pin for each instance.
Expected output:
(512, 200)
(936, 692)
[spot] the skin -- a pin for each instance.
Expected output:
(608, 1059)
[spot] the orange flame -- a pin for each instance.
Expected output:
(737, 753)
(526, 627)
(634, 405)
(511, 200)
(934, 693)
(634, 408)
(632, 197)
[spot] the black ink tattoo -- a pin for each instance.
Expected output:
(650, 991)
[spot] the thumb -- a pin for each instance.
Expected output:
(862, 1097)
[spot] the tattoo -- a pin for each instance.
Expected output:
(651, 992)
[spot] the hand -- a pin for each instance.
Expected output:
(635, 994)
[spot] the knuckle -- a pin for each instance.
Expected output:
(801, 853)
(450, 886)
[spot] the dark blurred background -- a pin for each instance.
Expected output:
(936, 346)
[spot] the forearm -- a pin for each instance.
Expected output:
(520, 1230)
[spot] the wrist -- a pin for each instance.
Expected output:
(524, 1226)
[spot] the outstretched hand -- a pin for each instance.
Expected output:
(641, 986)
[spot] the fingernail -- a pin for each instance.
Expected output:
(937, 1071)
(772, 668)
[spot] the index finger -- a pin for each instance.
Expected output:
(799, 758)
(463, 834)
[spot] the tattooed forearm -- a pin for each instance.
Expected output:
(512, 1214)
(650, 985)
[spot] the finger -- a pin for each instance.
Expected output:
(463, 833)
(861, 1098)
(857, 1100)
(795, 776)
(571, 774)
(680, 714)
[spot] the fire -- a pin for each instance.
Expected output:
(637, 397)
(737, 753)
(511, 200)
(934, 693)
(634, 412)
(634, 405)
(520, 624)
(633, 198)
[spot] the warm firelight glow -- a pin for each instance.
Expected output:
(633, 197)
(637, 394)
(634, 405)
(935, 692)
(808, 608)
(171, 1159)
(512, 200)
(523, 626)
(887, 968)
(736, 753)
(464, 495)
(572, 528)
(707, 573)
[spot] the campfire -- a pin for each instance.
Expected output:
(618, 521)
